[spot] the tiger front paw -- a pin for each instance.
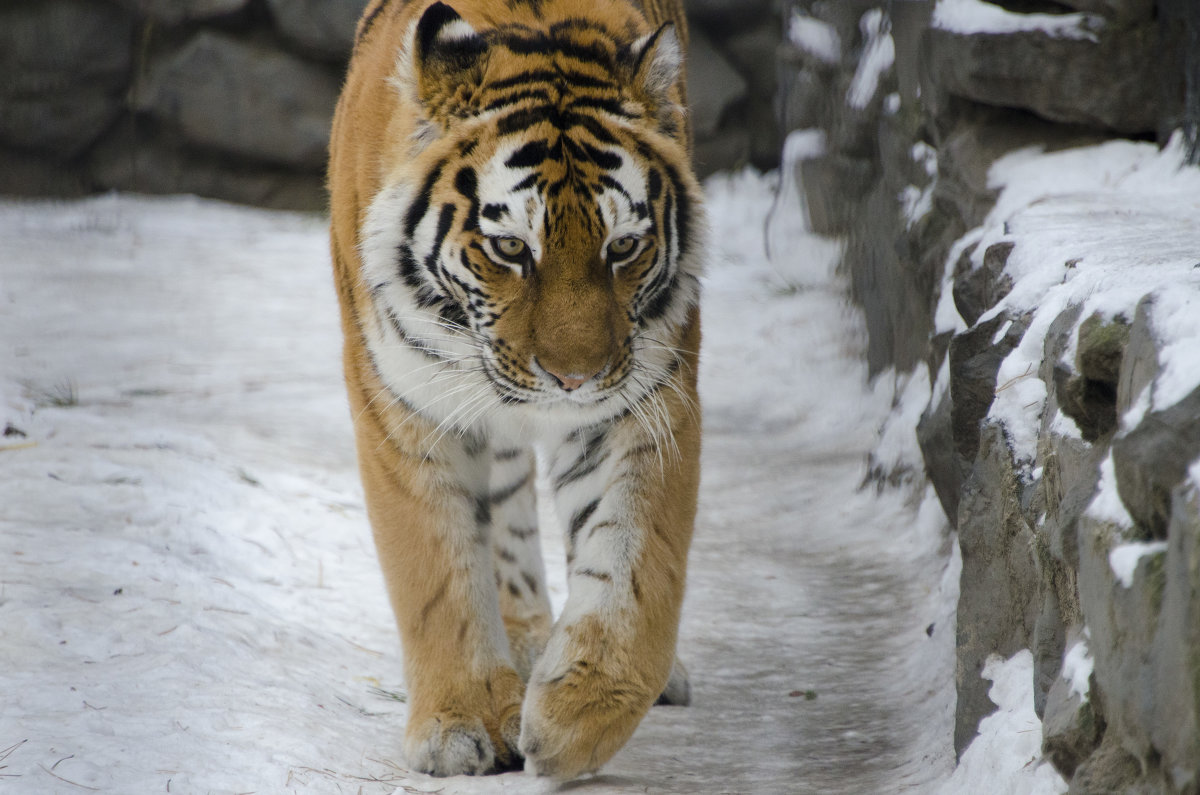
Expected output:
(471, 737)
(577, 715)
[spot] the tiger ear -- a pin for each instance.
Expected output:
(447, 54)
(658, 62)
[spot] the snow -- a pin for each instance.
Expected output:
(917, 202)
(1176, 319)
(1097, 227)
(1064, 426)
(879, 53)
(897, 449)
(946, 317)
(976, 16)
(1106, 505)
(820, 39)
(1077, 667)
(190, 601)
(1124, 559)
(1006, 757)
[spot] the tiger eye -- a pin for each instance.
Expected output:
(622, 246)
(510, 247)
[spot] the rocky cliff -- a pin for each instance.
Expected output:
(232, 99)
(1021, 247)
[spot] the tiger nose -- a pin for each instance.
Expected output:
(569, 381)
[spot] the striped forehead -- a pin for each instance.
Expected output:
(533, 179)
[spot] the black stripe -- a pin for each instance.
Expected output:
(408, 339)
(612, 184)
(505, 494)
(420, 204)
(453, 314)
(659, 302)
(524, 118)
(681, 214)
(528, 182)
(492, 212)
(654, 184)
(540, 44)
(466, 183)
(530, 155)
(483, 510)
(445, 220)
(605, 160)
(589, 123)
(595, 575)
(580, 519)
(582, 467)
(364, 27)
(407, 267)
(669, 225)
(611, 106)
(517, 96)
(536, 76)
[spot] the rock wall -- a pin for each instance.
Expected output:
(1064, 457)
(232, 99)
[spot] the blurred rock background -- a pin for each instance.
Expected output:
(232, 99)
(896, 120)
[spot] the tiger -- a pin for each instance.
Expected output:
(518, 240)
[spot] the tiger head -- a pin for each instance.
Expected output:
(539, 225)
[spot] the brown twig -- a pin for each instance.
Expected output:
(1028, 372)
(67, 780)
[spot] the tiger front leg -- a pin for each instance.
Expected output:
(520, 571)
(612, 652)
(428, 511)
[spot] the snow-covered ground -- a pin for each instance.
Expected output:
(189, 600)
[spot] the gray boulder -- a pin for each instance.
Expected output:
(999, 600)
(833, 185)
(726, 14)
(1071, 727)
(976, 290)
(245, 99)
(325, 27)
(1145, 635)
(1174, 732)
(66, 65)
(946, 469)
(1089, 397)
(974, 362)
(713, 86)
(144, 159)
(1103, 83)
(177, 12)
(1153, 458)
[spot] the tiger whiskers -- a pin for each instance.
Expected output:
(653, 417)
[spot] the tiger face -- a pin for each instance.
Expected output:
(535, 244)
